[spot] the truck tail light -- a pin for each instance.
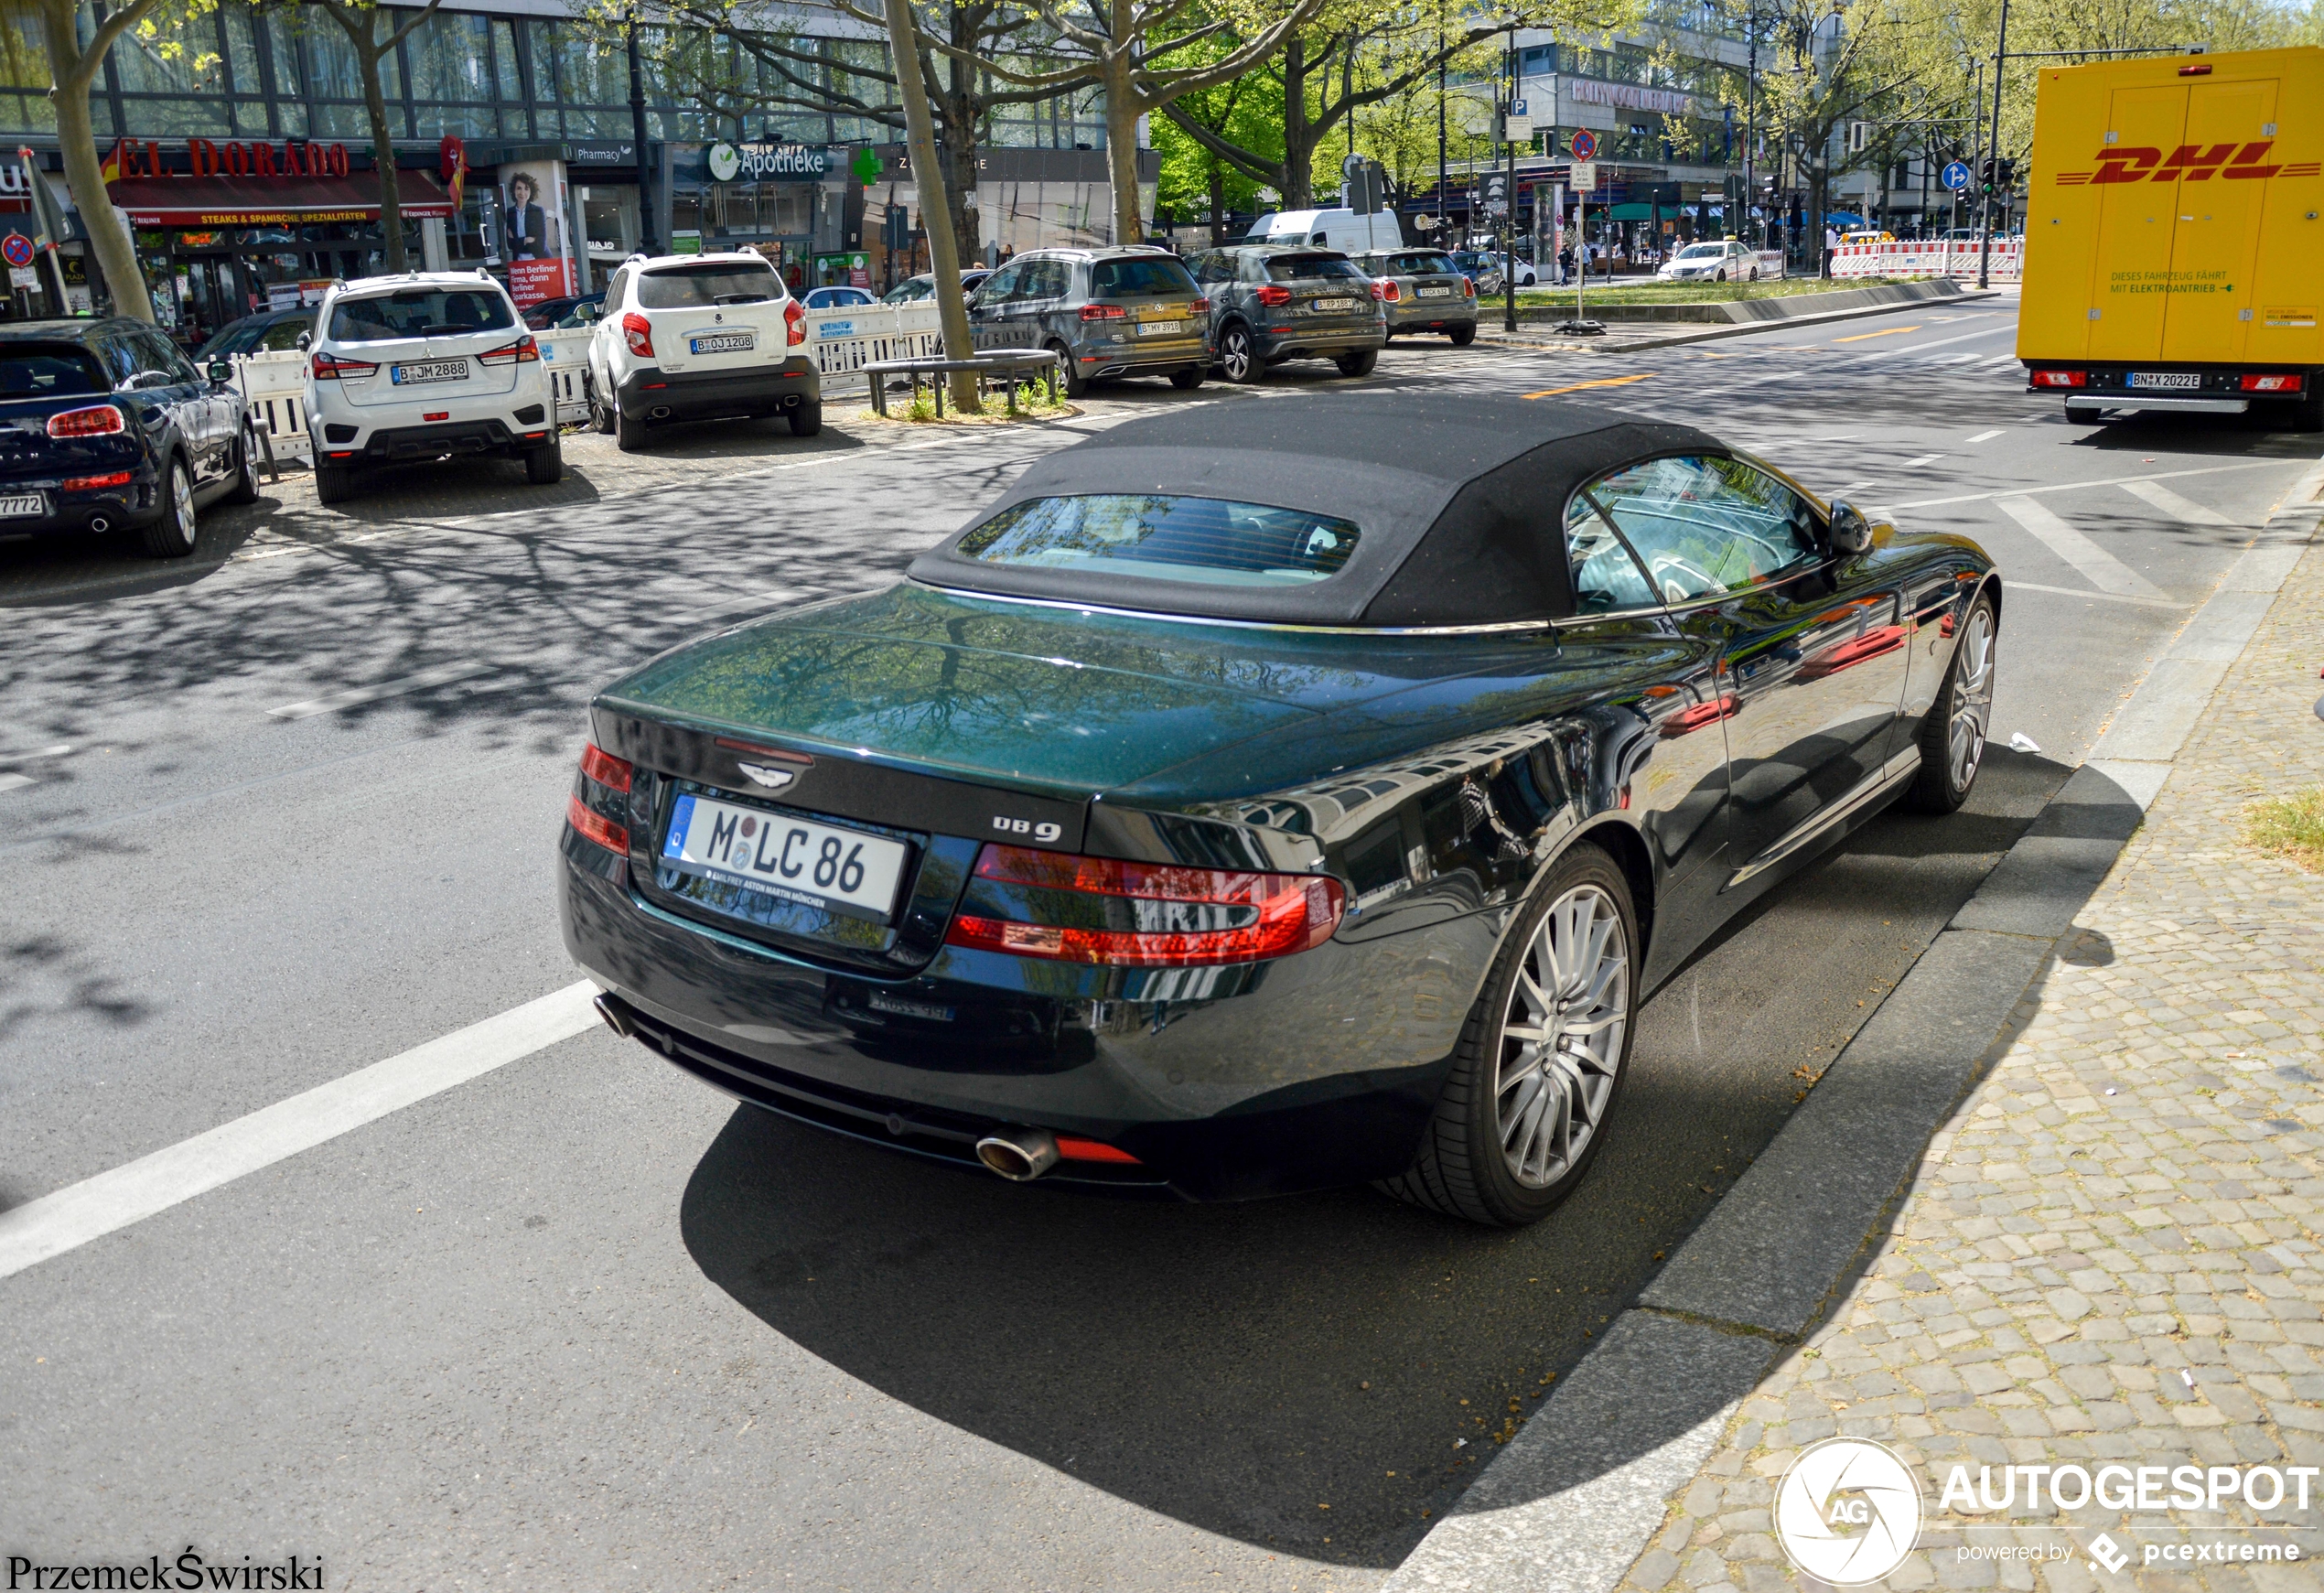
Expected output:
(523, 351)
(794, 323)
(2061, 379)
(638, 332)
(1103, 312)
(97, 421)
(2272, 383)
(337, 368)
(1274, 296)
(1153, 915)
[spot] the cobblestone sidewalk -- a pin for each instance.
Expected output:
(2110, 1255)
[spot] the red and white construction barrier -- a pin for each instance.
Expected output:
(1955, 258)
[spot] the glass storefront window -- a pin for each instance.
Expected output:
(467, 121)
(352, 120)
(595, 70)
(249, 119)
(171, 62)
(450, 57)
(332, 60)
(505, 76)
(242, 53)
(175, 118)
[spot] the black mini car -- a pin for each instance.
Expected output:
(105, 425)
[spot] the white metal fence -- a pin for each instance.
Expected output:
(1941, 257)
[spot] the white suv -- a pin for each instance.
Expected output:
(419, 366)
(686, 337)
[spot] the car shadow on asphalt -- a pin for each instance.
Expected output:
(1312, 1373)
(2239, 436)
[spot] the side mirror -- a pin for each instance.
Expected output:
(221, 372)
(1851, 533)
(305, 341)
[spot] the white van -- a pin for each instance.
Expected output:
(1342, 230)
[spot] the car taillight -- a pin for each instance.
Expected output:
(1103, 312)
(1275, 295)
(613, 838)
(638, 332)
(1072, 1147)
(1387, 291)
(2060, 378)
(98, 420)
(611, 772)
(603, 777)
(794, 322)
(1143, 915)
(523, 351)
(90, 483)
(1467, 288)
(333, 368)
(2285, 383)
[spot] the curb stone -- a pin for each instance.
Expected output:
(1574, 1499)
(1617, 342)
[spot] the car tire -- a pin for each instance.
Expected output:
(1357, 365)
(1463, 336)
(1719, 276)
(1500, 1091)
(629, 436)
(807, 419)
(171, 534)
(334, 483)
(245, 486)
(1069, 374)
(1952, 737)
(600, 412)
(1187, 379)
(1238, 357)
(544, 466)
(1755, 274)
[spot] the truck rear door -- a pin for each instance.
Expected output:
(2218, 214)
(2131, 282)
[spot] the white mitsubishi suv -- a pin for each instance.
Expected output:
(686, 337)
(422, 365)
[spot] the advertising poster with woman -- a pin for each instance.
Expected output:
(533, 231)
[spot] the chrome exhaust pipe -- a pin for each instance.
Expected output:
(98, 522)
(615, 1016)
(660, 412)
(1018, 1155)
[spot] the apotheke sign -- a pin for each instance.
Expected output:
(758, 162)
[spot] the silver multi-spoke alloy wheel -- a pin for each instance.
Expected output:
(1561, 1038)
(1972, 704)
(181, 498)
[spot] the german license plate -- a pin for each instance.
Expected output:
(724, 343)
(1160, 328)
(1434, 293)
(2167, 379)
(430, 370)
(1326, 306)
(842, 871)
(25, 503)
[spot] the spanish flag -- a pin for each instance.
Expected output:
(110, 170)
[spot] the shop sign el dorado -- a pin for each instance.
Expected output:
(758, 162)
(133, 158)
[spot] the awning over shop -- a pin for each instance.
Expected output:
(271, 201)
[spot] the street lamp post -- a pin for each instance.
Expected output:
(638, 134)
(1509, 196)
(1993, 177)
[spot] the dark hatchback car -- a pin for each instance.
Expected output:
(1270, 303)
(267, 332)
(1128, 311)
(1421, 290)
(1248, 804)
(105, 426)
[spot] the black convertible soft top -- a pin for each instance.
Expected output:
(1460, 501)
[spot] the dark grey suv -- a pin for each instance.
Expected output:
(1107, 312)
(1272, 302)
(1421, 290)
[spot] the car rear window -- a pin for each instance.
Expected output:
(699, 286)
(1166, 537)
(1419, 263)
(1307, 267)
(1123, 278)
(56, 372)
(419, 312)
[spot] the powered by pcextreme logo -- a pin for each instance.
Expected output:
(1848, 1512)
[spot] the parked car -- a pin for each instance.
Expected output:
(832, 298)
(1482, 271)
(1527, 275)
(1387, 758)
(562, 312)
(1421, 290)
(1342, 230)
(416, 367)
(106, 425)
(924, 287)
(1270, 302)
(1728, 259)
(267, 332)
(1104, 312)
(696, 337)
(1868, 237)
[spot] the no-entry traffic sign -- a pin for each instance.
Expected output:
(16, 248)
(1585, 144)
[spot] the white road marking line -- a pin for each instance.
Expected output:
(61, 749)
(2185, 509)
(2077, 486)
(2010, 586)
(1986, 436)
(1952, 358)
(1852, 487)
(2103, 570)
(355, 697)
(15, 781)
(72, 1216)
(1923, 459)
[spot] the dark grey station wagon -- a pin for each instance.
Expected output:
(1270, 303)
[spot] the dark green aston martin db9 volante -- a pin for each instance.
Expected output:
(1229, 810)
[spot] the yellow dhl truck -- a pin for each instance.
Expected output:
(2174, 257)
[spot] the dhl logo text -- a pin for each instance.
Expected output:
(2231, 161)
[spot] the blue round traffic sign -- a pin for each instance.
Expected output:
(16, 249)
(1585, 144)
(1956, 176)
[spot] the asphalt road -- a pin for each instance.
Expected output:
(582, 1319)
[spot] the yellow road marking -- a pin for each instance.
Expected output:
(1601, 381)
(1892, 331)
